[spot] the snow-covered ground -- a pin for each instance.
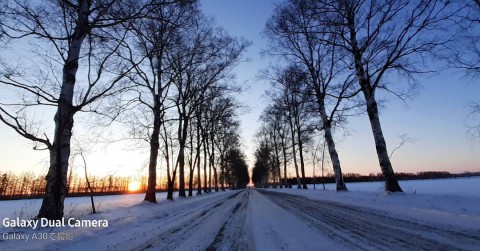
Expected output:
(74, 207)
(435, 214)
(450, 201)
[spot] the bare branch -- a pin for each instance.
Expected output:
(404, 139)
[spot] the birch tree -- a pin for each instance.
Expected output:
(71, 35)
(384, 39)
(297, 35)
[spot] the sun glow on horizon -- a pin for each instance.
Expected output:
(134, 186)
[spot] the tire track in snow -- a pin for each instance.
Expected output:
(234, 233)
(193, 231)
(168, 221)
(368, 229)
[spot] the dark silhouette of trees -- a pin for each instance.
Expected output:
(237, 168)
(72, 36)
(31, 185)
(154, 37)
(262, 166)
(201, 62)
(464, 53)
(273, 131)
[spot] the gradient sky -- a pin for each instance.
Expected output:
(435, 119)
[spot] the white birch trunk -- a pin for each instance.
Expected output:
(337, 169)
(55, 190)
(391, 183)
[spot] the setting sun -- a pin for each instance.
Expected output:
(134, 186)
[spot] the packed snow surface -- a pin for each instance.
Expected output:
(439, 214)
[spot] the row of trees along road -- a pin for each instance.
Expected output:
(337, 56)
(157, 67)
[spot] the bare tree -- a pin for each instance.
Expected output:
(65, 26)
(89, 186)
(168, 152)
(155, 37)
(297, 35)
(273, 126)
(384, 38)
(474, 127)
(80, 33)
(204, 59)
(292, 96)
(228, 138)
(262, 166)
(223, 132)
(464, 53)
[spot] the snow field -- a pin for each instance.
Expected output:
(250, 220)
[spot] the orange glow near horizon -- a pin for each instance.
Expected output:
(134, 186)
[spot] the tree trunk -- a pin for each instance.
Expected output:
(152, 166)
(277, 160)
(391, 182)
(181, 155)
(170, 189)
(199, 145)
(55, 190)
(327, 128)
(56, 185)
(205, 161)
(191, 165)
(88, 184)
(181, 164)
(210, 162)
(222, 170)
(335, 159)
(190, 180)
(284, 151)
(215, 174)
(292, 130)
(210, 175)
(170, 180)
(302, 162)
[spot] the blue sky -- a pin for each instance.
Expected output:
(435, 119)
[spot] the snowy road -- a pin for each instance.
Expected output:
(254, 219)
(220, 226)
(268, 220)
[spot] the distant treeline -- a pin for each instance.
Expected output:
(355, 177)
(30, 185)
